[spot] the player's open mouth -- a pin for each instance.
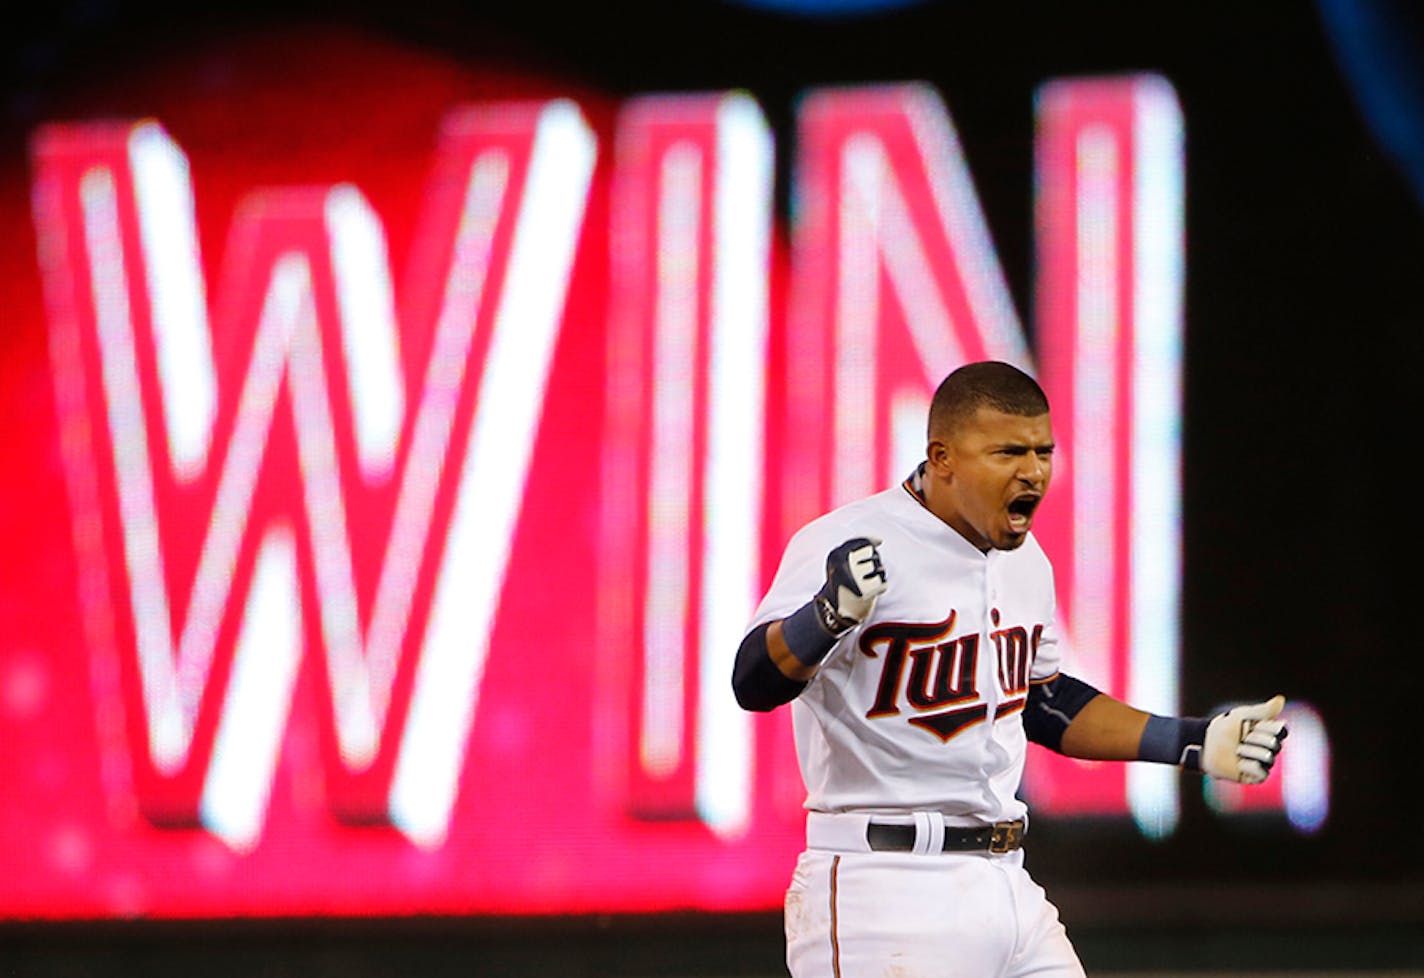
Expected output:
(1021, 510)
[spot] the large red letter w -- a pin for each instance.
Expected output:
(319, 449)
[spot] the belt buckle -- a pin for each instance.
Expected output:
(1005, 837)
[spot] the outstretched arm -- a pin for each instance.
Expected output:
(1070, 717)
(1105, 730)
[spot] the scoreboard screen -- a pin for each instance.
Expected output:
(394, 467)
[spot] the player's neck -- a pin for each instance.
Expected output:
(935, 498)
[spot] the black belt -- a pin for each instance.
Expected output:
(1000, 837)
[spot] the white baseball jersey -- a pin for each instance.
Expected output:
(919, 708)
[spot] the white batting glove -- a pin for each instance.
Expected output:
(1242, 743)
(855, 577)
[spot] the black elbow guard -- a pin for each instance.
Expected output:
(1052, 705)
(756, 681)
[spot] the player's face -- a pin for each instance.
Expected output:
(988, 476)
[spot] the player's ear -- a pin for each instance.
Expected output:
(939, 457)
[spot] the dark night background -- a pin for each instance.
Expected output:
(1304, 264)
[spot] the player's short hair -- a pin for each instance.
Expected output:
(988, 383)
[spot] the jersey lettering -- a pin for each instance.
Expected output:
(952, 667)
(947, 725)
(942, 674)
(896, 637)
(1016, 652)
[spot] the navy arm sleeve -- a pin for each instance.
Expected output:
(756, 681)
(1052, 705)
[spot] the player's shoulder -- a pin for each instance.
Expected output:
(1032, 551)
(864, 517)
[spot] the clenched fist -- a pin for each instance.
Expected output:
(1242, 743)
(855, 577)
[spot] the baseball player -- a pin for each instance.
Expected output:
(912, 632)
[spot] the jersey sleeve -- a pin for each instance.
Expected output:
(1047, 659)
(1048, 654)
(799, 576)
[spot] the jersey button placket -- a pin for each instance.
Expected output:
(989, 682)
(989, 661)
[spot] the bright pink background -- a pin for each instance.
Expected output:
(540, 823)
(546, 820)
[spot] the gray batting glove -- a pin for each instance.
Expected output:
(855, 577)
(1242, 743)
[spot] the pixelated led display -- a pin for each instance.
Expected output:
(396, 533)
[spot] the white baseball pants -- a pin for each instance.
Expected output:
(870, 914)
